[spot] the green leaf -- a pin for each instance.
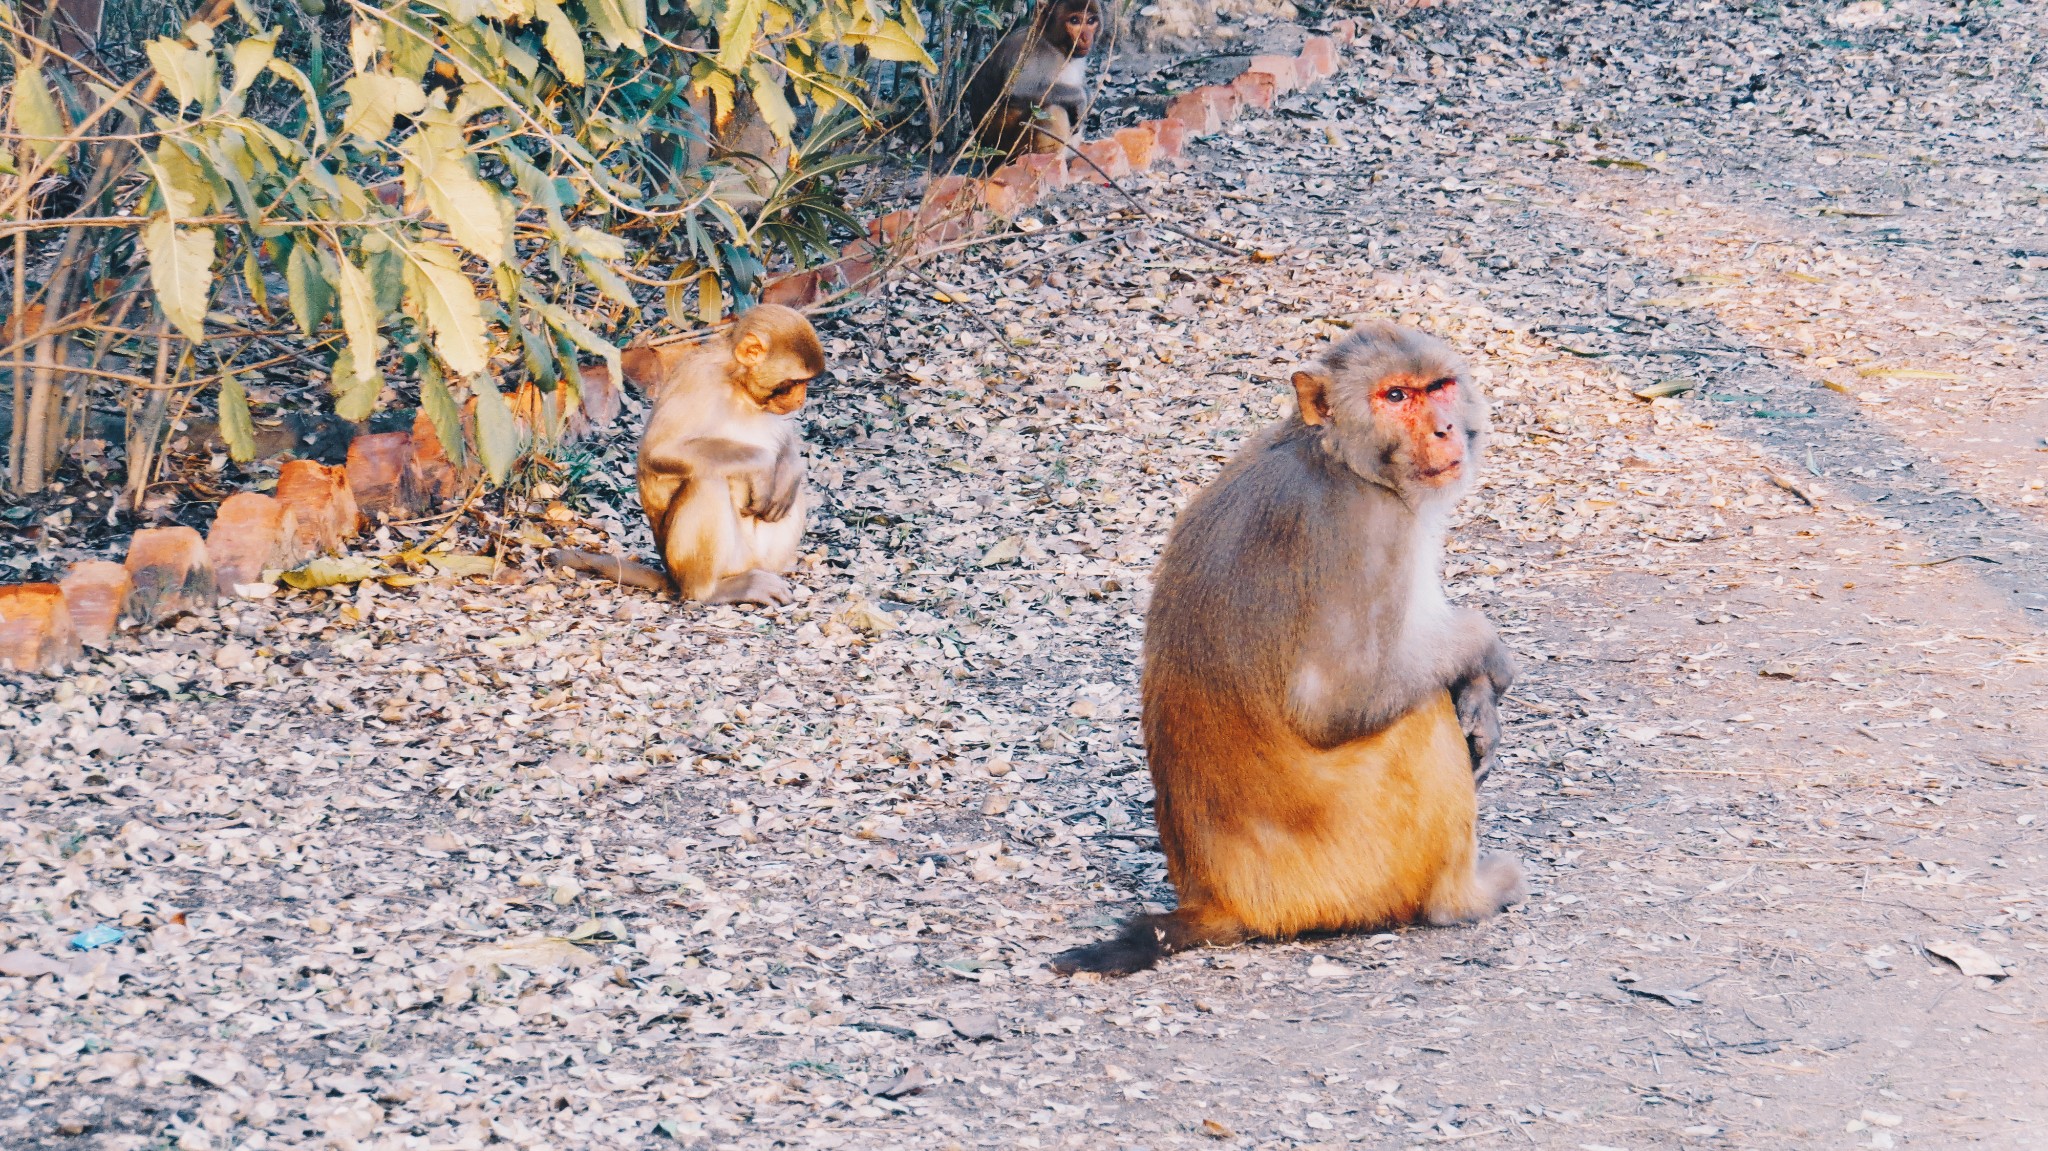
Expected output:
(539, 355)
(188, 73)
(311, 296)
(562, 40)
(469, 207)
(252, 280)
(497, 433)
(327, 571)
(181, 271)
(447, 301)
(375, 100)
(359, 316)
(236, 428)
(442, 412)
(36, 112)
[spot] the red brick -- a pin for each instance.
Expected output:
(36, 634)
(376, 474)
(251, 532)
(1011, 189)
(848, 273)
(172, 574)
(1286, 77)
(1050, 169)
(1319, 58)
(322, 501)
(1344, 32)
(1140, 145)
(1098, 162)
(1170, 137)
(950, 195)
(890, 228)
(1196, 112)
(431, 478)
(1227, 101)
(1255, 89)
(96, 591)
(795, 290)
(539, 413)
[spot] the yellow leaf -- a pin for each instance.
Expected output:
(180, 180)
(181, 271)
(467, 205)
(1906, 374)
(775, 110)
(251, 57)
(36, 112)
(710, 301)
(188, 73)
(738, 28)
(562, 40)
(359, 320)
(375, 99)
(327, 571)
(448, 303)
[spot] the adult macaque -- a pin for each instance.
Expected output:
(721, 465)
(1316, 714)
(1031, 93)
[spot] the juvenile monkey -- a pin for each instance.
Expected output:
(1031, 94)
(721, 465)
(1315, 713)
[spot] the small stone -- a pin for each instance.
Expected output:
(36, 634)
(172, 573)
(97, 592)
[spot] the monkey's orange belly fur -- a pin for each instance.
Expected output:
(1374, 832)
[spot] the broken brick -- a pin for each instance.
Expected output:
(1286, 76)
(1098, 162)
(1140, 145)
(1255, 89)
(96, 592)
(172, 573)
(251, 532)
(1170, 137)
(1050, 170)
(1011, 189)
(322, 501)
(36, 634)
(1196, 111)
(431, 478)
(376, 474)
(795, 290)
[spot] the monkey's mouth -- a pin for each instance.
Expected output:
(1440, 473)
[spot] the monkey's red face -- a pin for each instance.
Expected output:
(1080, 22)
(1425, 412)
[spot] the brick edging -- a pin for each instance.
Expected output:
(316, 509)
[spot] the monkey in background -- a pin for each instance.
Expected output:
(1031, 94)
(1316, 714)
(721, 465)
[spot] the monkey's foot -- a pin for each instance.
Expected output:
(1118, 956)
(757, 586)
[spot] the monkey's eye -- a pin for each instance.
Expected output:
(1397, 395)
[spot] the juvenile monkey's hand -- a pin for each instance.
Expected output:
(783, 485)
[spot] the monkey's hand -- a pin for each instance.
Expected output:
(783, 485)
(1477, 696)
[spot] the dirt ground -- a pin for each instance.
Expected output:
(545, 864)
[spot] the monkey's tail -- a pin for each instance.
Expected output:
(617, 569)
(1144, 940)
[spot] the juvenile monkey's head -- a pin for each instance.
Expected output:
(775, 356)
(1070, 25)
(1399, 408)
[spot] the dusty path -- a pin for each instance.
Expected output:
(1762, 758)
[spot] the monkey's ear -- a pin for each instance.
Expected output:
(1312, 396)
(750, 349)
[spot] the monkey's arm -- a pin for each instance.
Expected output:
(1348, 686)
(785, 479)
(705, 459)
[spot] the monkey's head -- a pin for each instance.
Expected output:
(1070, 25)
(775, 356)
(1399, 408)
